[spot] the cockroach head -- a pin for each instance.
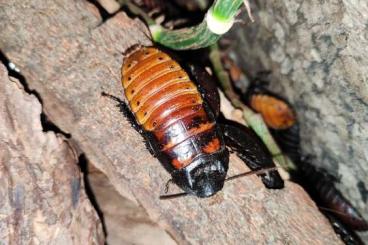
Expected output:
(205, 176)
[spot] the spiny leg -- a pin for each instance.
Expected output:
(245, 143)
(124, 108)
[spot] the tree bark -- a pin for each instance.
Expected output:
(42, 193)
(69, 56)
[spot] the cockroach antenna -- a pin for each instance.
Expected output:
(172, 196)
(257, 172)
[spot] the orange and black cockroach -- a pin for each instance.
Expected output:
(176, 112)
(278, 115)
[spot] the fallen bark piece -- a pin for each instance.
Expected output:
(42, 194)
(68, 60)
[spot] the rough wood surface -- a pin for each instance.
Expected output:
(126, 223)
(42, 195)
(65, 54)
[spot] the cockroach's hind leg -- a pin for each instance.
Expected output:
(150, 148)
(124, 108)
(245, 143)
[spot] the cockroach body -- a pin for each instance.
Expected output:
(278, 115)
(179, 124)
(276, 111)
(348, 236)
(321, 184)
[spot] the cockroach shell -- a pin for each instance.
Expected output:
(169, 109)
(347, 213)
(166, 103)
(331, 198)
(276, 113)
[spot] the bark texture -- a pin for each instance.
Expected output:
(42, 194)
(316, 51)
(69, 56)
(126, 223)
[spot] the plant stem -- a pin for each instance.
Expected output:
(219, 19)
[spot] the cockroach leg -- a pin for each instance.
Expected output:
(206, 86)
(124, 108)
(245, 143)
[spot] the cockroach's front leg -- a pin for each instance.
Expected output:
(245, 143)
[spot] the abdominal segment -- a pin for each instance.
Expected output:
(168, 104)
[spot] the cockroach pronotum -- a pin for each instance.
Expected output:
(176, 113)
(280, 117)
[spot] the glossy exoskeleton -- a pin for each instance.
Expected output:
(279, 115)
(348, 236)
(321, 185)
(176, 112)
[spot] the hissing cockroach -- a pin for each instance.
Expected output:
(331, 199)
(177, 117)
(348, 236)
(276, 112)
(278, 115)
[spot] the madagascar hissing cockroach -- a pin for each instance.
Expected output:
(276, 112)
(348, 236)
(278, 115)
(330, 198)
(176, 113)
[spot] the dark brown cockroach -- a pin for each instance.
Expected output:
(321, 185)
(348, 236)
(177, 117)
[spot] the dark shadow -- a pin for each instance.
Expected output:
(47, 125)
(83, 165)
